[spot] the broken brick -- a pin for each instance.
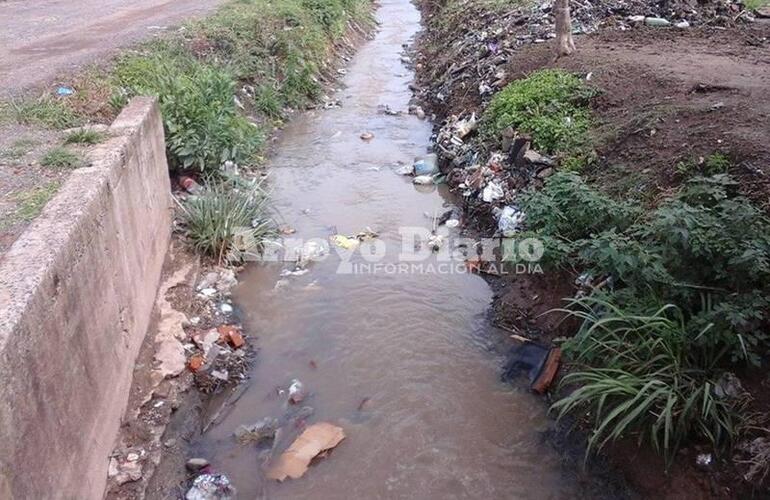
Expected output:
(195, 363)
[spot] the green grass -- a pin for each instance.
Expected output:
(17, 149)
(278, 48)
(755, 4)
(61, 158)
(550, 105)
(30, 203)
(85, 136)
(45, 111)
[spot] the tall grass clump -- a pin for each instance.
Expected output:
(550, 105)
(228, 219)
(642, 373)
(85, 136)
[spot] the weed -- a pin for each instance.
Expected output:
(329, 13)
(228, 219)
(46, 111)
(641, 373)
(714, 164)
(85, 136)
(550, 105)
(268, 101)
(707, 236)
(705, 249)
(61, 158)
(626, 259)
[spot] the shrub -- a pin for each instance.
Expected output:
(228, 218)
(736, 324)
(628, 260)
(550, 105)
(642, 373)
(708, 237)
(567, 208)
(203, 126)
(705, 249)
(714, 164)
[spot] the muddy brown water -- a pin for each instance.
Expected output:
(437, 422)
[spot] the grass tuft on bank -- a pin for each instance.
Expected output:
(44, 111)
(61, 158)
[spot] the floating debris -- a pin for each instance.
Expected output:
(295, 461)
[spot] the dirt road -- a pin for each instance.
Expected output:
(43, 39)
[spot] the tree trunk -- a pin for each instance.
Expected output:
(564, 44)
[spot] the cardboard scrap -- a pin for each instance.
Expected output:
(315, 440)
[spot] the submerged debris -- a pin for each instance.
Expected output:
(297, 392)
(211, 487)
(259, 431)
(196, 464)
(426, 165)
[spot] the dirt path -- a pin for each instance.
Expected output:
(42, 39)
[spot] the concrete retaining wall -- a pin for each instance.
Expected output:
(76, 295)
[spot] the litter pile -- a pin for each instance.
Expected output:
(489, 181)
(473, 66)
(217, 352)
